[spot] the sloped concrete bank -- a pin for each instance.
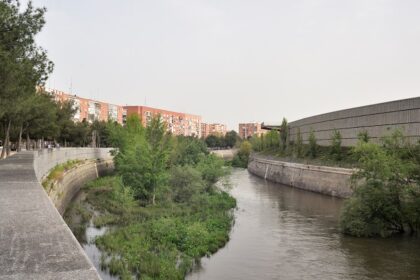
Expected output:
(35, 242)
(64, 189)
(326, 180)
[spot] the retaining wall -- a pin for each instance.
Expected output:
(35, 242)
(69, 185)
(378, 120)
(331, 181)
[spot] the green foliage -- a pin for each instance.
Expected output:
(242, 157)
(372, 211)
(363, 136)
(284, 134)
(387, 191)
(57, 173)
(185, 182)
(336, 150)
(313, 146)
(227, 141)
(23, 64)
(299, 150)
(231, 138)
(161, 241)
(143, 157)
(212, 169)
(188, 151)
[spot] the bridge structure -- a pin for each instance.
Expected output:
(378, 120)
(35, 241)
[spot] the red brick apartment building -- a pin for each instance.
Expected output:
(177, 123)
(215, 129)
(88, 109)
(247, 130)
(91, 110)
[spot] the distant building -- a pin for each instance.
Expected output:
(247, 130)
(88, 109)
(216, 129)
(177, 123)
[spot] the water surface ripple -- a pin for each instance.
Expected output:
(286, 233)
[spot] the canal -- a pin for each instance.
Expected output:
(286, 233)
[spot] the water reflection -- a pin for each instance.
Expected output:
(286, 233)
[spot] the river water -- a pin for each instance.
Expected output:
(286, 233)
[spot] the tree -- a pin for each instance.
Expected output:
(65, 123)
(375, 207)
(185, 182)
(212, 141)
(335, 149)
(143, 157)
(313, 146)
(299, 144)
(23, 65)
(284, 134)
(159, 151)
(40, 121)
(242, 157)
(231, 138)
(188, 151)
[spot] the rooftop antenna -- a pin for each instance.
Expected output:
(145, 101)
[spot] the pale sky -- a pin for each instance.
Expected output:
(234, 61)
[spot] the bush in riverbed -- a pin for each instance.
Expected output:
(386, 199)
(242, 157)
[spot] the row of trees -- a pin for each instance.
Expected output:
(386, 198)
(279, 143)
(23, 66)
(226, 141)
(27, 114)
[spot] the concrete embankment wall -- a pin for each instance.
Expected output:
(35, 242)
(225, 154)
(69, 185)
(321, 179)
(378, 120)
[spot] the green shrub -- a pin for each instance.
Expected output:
(313, 146)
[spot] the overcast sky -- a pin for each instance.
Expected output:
(234, 61)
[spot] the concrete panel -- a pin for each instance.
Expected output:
(378, 120)
(331, 181)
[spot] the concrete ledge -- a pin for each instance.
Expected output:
(66, 188)
(35, 242)
(333, 181)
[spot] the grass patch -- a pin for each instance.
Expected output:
(56, 174)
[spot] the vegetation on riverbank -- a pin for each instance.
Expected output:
(386, 197)
(279, 146)
(57, 173)
(163, 208)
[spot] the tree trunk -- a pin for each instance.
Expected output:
(28, 144)
(19, 147)
(6, 141)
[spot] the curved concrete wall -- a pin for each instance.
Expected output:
(35, 242)
(331, 181)
(45, 159)
(66, 188)
(378, 120)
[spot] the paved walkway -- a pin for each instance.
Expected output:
(35, 242)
